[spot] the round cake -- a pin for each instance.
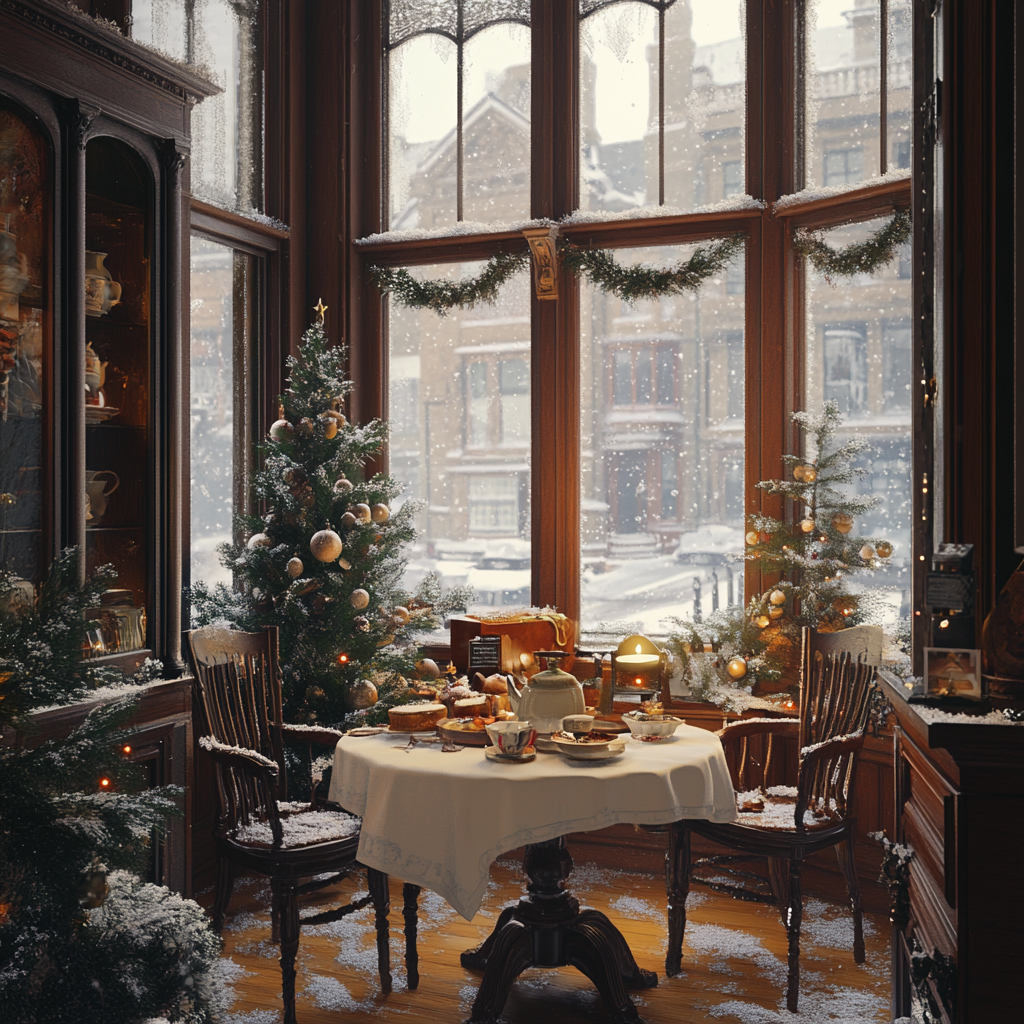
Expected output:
(416, 717)
(471, 707)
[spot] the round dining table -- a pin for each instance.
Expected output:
(437, 817)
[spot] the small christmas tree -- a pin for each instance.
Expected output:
(813, 557)
(82, 938)
(324, 562)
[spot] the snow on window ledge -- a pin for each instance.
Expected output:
(809, 195)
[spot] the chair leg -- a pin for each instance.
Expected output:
(410, 895)
(677, 886)
(284, 897)
(845, 855)
(275, 917)
(377, 882)
(225, 882)
(794, 916)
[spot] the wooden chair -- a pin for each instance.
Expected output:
(238, 686)
(785, 824)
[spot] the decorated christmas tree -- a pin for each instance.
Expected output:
(810, 557)
(82, 937)
(324, 561)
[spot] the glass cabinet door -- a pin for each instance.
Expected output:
(118, 470)
(25, 345)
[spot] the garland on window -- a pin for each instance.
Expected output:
(442, 296)
(640, 281)
(858, 257)
(644, 281)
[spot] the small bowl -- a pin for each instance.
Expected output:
(658, 725)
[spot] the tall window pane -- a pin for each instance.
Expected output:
(662, 461)
(224, 38)
(458, 112)
(222, 368)
(842, 79)
(858, 352)
(459, 394)
(899, 83)
(663, 101)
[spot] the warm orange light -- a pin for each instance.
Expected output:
(104, 783)
(639, 681)
(126, 749)
(342, 659)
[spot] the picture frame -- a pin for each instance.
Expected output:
(952, 672)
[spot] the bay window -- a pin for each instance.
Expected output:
(614, 448)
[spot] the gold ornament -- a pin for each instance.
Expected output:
(401, 614)
(361, 694)
(737, 668)
(807, 525)
(777, 611)
(344, 563)
(777, 597)
(348, 520)
(281, 430)
(259, 540)
(328, 426)
(752, 538)
(428, 668)
(762, 621)
(360, 599)
(798, 472)
(884, 549)
(320, 309)
(842, 523)
(362, 513)
(867, 552)
(339, 417)
(295, 567)
(342, 486)
(380, 513)
(325, 545)
(810, 474)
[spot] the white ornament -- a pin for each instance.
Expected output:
(281, 430)
(259, 540)
(342, 486)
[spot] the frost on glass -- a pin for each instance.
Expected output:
(222, 39)
(705, 101)
(423, 142)
(662, 396)
(459, 412)
(841, 84)
(858, 353)
(900, 84)
(211, 405)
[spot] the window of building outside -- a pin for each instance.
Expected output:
(667, 460)
(224, 38)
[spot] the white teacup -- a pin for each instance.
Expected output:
(513, 737)
(578, 724)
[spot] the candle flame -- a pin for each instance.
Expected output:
(637, 648)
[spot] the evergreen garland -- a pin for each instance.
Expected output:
(442, 296)
(643, 281)
(858, 257)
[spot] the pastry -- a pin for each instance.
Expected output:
(471, 707)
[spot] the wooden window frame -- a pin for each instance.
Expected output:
(774, 291)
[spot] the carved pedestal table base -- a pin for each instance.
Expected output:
(548, 929)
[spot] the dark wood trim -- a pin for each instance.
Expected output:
(235, 230)
(858, 205)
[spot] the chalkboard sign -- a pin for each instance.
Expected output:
(949, 591)
(485, 654)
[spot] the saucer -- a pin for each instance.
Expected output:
(590, 751)
(367, 730)
(493, 754)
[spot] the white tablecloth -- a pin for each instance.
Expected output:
(439, 819)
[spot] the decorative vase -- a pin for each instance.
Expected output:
(102, 293)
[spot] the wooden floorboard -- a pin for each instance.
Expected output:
(734, 959)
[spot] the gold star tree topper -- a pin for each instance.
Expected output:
(320, 309)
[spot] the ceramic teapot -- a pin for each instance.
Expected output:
(548, 697)
(95, 370)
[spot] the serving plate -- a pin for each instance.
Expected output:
(463, 737)
(589, 751)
